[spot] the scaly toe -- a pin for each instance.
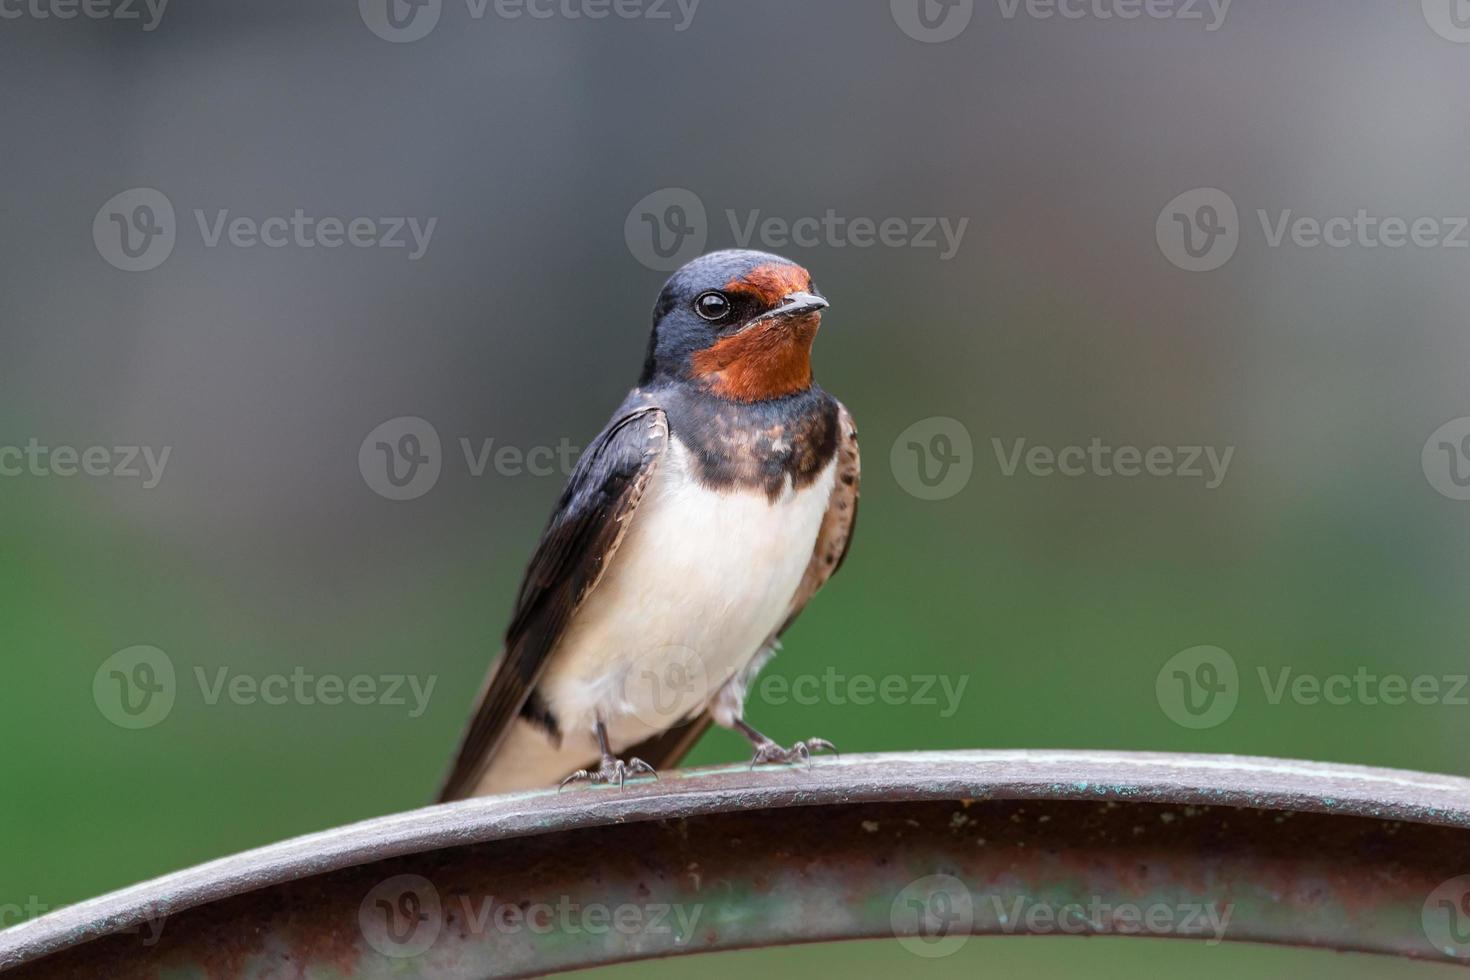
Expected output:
(770, 752)
(822, 745)
(767, 753)
(637, 767)
(576, 777)
(611, 772)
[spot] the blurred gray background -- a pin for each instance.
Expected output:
(1336, 542)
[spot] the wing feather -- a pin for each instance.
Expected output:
(578, 545)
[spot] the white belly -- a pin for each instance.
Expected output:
(701, 580)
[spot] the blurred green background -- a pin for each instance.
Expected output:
(1054, 600)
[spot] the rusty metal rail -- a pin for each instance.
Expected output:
(925, 849)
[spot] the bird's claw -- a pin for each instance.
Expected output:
(612, 771)
(770, 752)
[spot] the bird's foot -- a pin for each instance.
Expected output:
(768, 752)
(612, 771)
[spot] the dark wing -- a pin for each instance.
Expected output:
(833, 541)
(579, 542)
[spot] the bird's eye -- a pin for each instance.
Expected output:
(712, 306)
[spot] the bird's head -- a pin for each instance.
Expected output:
(739, 323)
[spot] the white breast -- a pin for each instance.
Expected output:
(701, 580)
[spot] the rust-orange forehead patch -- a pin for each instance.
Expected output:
(771, 283)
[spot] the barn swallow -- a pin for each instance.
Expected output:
(693, 530)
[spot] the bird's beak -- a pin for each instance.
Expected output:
(795, 304)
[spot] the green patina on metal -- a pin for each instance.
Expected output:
(921, 849)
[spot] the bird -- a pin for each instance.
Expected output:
(693, 530)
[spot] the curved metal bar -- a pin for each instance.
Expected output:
(926, 848)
